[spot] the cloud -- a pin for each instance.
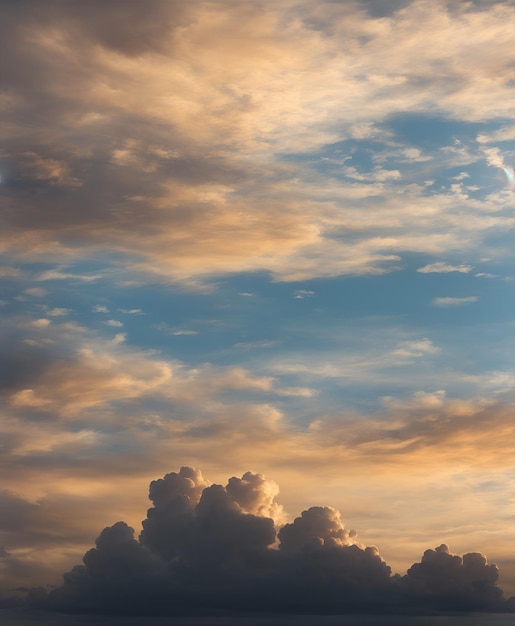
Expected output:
(36, 292)
(505, 133)
(41, 323)
(81, 409)
(59, 275)
(8, 272)
(415, 349)
(444, 268)
(206, 547)
(494, 157)
(449, 580)
(186, 188)
(82, 371)
(299, 294)
(450, 301)
(58, 312)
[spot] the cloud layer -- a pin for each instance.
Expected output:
(164, 171)
(136, 137)
(207, 547)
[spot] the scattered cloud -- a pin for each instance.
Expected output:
(58, 312)
(415, 349)
(451, 301)
(444, 268)
(300, 294)
(505, 133)
(59, 275)
(305, 160)
(113, 323)
(41, 323)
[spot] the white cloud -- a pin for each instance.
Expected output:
(494, 157)
(415, 349)
(506, 133)
(450, 301)
(444, 268)
(59, 311)
(461, 176)
(41, 323)
(113, 323)
(98, 308)
(58, 275)
(299, 294)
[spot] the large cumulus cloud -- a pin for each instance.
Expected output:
(208, 547)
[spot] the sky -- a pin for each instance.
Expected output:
(270, 243)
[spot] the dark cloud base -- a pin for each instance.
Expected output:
(213, 550)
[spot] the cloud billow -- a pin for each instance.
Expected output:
(209, 548)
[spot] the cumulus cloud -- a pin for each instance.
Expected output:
(448, 580)
(205, 547)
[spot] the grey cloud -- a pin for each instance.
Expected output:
(169, 521)
(45, 523)
(448, 580)
(136, 29)
(201, 551)
(59, 178)
(22, 361)
(115, 29)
